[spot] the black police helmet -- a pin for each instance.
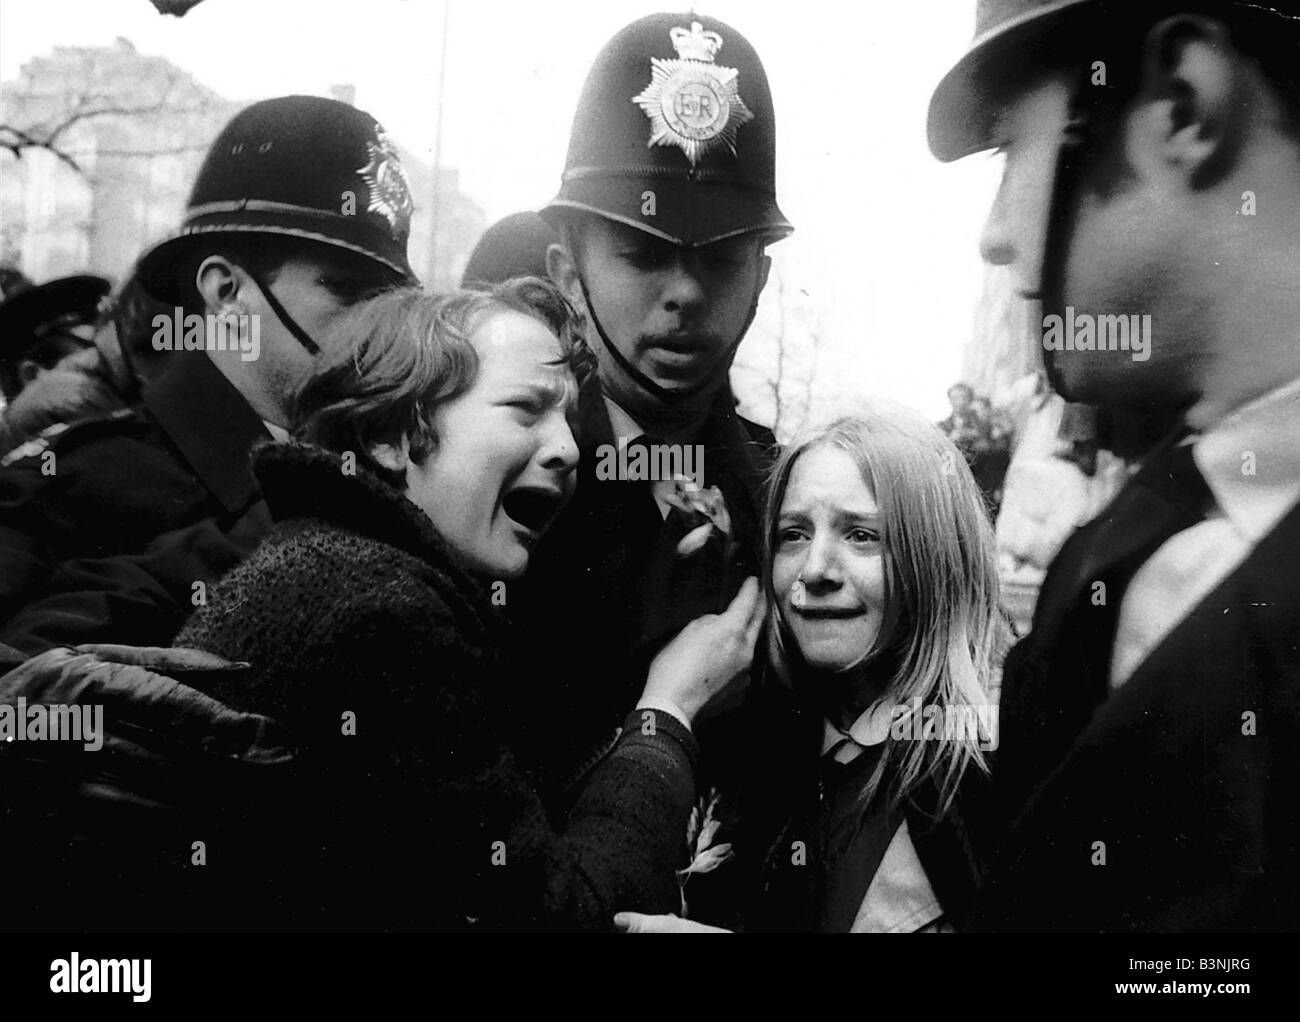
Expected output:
(301, 167)
(675, 135)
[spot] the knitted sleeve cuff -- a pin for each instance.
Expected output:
(659, 736)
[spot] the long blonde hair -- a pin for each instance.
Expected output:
(942, 631)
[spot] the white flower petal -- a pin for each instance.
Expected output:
(694, 540)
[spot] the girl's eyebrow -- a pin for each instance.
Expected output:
(841, 514)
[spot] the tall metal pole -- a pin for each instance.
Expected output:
(435, 206)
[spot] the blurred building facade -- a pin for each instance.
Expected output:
(130, 132)
(448, 217)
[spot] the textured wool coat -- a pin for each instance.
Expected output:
(382, 796)
(354, 611)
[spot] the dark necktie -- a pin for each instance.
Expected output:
(668, 600)
(1057, 677)
(854, 836)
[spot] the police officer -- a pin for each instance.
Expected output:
(514, 246)
(47, 366)
(300, 209)
(1148, 768)
(666, 207)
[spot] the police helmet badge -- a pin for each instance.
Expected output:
(692, 102)
(390, 195)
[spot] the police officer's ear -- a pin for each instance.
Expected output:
(219, 282)
(1197, 91)
(562, 268)
(764, 268)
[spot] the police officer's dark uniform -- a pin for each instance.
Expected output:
(606, 588)
(282, 169)
(1151, 806)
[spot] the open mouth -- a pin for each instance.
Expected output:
(533, 507)
(828, 613)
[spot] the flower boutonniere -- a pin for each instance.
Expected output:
(701, 833)
(706, 513)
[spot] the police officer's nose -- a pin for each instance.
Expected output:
(997, 245)
(683, 288)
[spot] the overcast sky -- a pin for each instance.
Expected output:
(885, 242)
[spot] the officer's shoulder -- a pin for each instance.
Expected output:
(64, 437)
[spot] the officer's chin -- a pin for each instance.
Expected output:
(693, 393)
(1066, 380)
(1107, 380)
(686, 396)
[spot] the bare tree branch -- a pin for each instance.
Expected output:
(197, 147)
(22, 140)
(108, 111)
(86, 106)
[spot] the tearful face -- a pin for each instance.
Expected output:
(503, 466)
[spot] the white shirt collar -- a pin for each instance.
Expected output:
(1251, 461)
(626, 429)
(279, 433)
(871, 728)
(624, 426)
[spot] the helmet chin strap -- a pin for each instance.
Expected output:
(283, 316)
(659, 393)
(1081, 135)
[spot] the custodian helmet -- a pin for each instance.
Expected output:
(675, 135)
(1015, 38)
(514, 246)
(297, 166)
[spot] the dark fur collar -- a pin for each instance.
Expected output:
(302, 480)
